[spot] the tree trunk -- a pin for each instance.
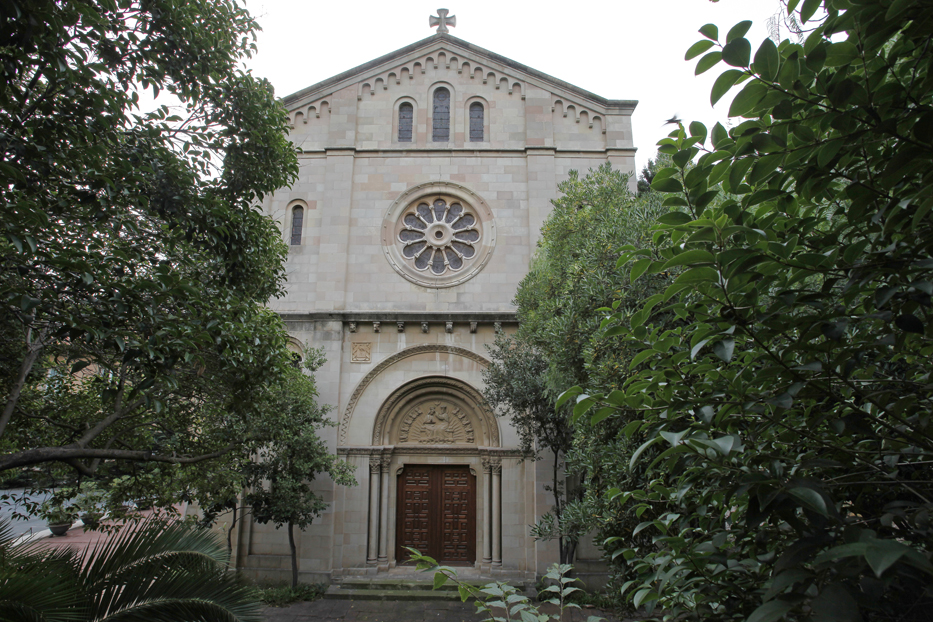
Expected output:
(291, 543)
(230, 537)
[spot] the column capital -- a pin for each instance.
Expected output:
(375, 464)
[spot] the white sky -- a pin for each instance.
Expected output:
(618, 49)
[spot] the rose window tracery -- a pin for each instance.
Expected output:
(439, 237)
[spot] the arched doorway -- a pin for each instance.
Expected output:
(432, 436)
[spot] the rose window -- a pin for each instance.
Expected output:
(439, 237)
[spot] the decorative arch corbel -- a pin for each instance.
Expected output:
(389, 362)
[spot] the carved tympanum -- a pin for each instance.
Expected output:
(436, 422)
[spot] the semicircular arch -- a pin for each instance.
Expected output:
(382, 366)
(444, 410)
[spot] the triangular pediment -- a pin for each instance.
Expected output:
(450, 53)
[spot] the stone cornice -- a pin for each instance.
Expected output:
(451, 450)
(464, 151)
(505, 317)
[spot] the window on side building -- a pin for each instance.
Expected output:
(298, 216)
(476, 122)
(405, 115)
(441, 116)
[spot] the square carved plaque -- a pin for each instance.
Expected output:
(361, 352)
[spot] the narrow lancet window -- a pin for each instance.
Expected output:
(405, 114)
(441, 116)
(298, 216)
(476, 122)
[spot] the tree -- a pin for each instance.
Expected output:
(151, 571)
(279, 478)
(574, 275)
(515, 385)
(134, 262)
(560, 304)
(791, 407)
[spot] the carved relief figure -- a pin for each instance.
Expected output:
(439, 423)
(436, 426)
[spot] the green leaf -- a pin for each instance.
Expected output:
(639, 267)
(79, 366)
(719, 133)
(667, 185)
(707, 62)
(808, 9)
(724, 349)
(644, 595)
(674, 218)
(738, 31)
(767, 60)
(882, 554)
(908, 322)
(698, 275)
(698, 48)
(834, 604)
(828, 151)
(810, 499)
(567, 395)
(584, 403)
(603, 413)
(737, 52)
(644, 446)
(710, 31)
(771, 611)
(698, 129)
(841, 53)
(747, 99)
(439, 580)
(784, 400)
(724, 82)
(897, 7)
(691, 257)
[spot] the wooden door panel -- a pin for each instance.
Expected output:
(415, 503)
(437, 513)
(457, 516)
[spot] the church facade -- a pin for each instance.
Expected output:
(425, 177)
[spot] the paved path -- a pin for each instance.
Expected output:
(393, 611)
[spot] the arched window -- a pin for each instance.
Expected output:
(476, 122)
(298, 216)
(441, 116)
(405, 113)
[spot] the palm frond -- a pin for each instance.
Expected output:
(157, 570)
(38, 583)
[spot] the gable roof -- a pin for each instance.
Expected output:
(442, 41)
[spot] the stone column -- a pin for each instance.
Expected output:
(384, 513)
(487, 511)
(496, 512)
(373, 509)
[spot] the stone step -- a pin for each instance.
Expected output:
(398, 588)
(337, 593)
(392, 583)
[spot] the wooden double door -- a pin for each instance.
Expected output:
(437, 513)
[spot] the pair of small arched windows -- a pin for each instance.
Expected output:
(440, 131)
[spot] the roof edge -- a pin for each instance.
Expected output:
(612, 104)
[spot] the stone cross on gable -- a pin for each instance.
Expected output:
(442, 21)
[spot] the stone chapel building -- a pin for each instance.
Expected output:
(425, 177)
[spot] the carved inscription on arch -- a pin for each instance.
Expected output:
(436, 422)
